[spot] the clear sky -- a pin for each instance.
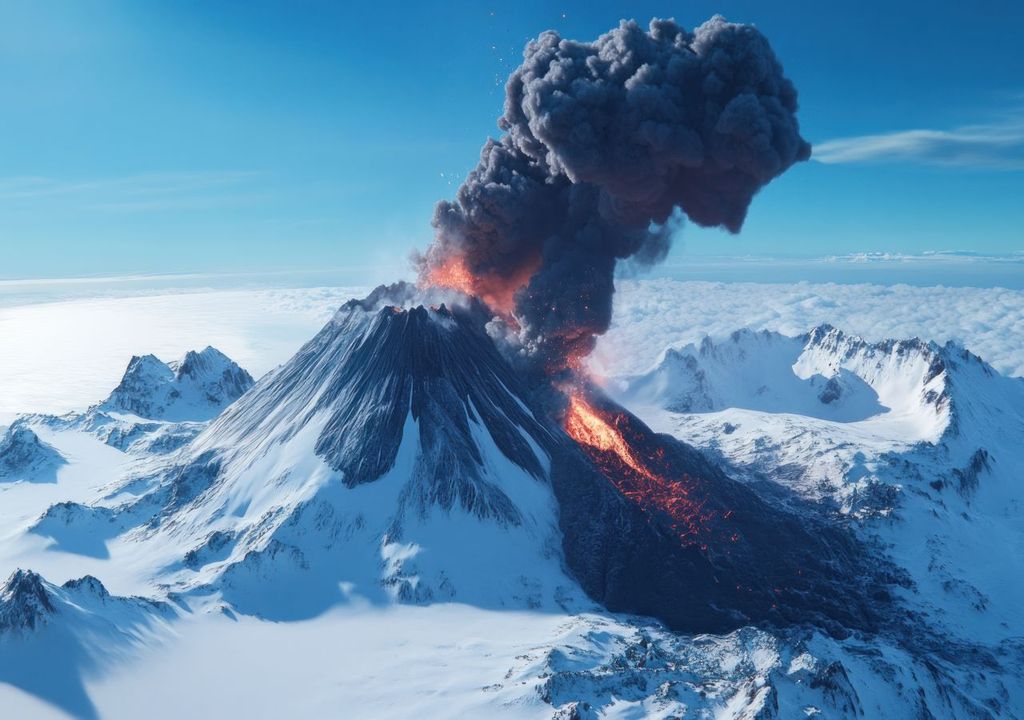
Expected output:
(206, 136)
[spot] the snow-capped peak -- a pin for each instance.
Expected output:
(396, 453)
(197, 387)
(23, 456)
(24, 602)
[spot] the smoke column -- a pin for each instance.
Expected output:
(604, 145)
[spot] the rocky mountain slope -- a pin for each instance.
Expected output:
(23, 456)
(933, 473)
(196, 387)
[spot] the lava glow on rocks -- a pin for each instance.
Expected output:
(633, 474)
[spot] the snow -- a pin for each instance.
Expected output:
(197, 387)
(933, 474)
(362, 662)
(892, 390)
(306, 598)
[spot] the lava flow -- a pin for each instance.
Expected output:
(650, 490)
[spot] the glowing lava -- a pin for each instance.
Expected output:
(649, 489)
(497, 291)
(586, 426)
(453, 275)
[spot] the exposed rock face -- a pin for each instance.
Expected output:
(197, 387)
(23, 456)
(24, 602)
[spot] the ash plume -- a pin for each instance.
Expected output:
(604, 144)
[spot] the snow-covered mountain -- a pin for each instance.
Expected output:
(398, 457)
(933, 472)
(158, 407)
(392, 455)
(28, 603)
(23, 456)
(196, 387)
(824, 374)
(397, 482)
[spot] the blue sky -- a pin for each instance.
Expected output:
(164, 137)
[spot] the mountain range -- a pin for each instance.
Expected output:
(757, 527)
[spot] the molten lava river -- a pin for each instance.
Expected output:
(636, 476)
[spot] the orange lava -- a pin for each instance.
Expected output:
(453, 275)
(497, 291)
(586, 426)
(645, 486)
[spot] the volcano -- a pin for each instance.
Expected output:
(399, 455)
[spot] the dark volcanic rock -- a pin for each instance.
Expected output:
(751, 561)
(24, 602)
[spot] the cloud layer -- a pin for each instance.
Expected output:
(651, 315)
(63, 356)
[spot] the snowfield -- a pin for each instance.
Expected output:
(189, 546)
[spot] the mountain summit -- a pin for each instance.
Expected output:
(196, 387)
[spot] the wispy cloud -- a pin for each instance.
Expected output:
(998, 145)
(145, 192)
(928, 256)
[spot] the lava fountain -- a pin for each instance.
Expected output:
(496, 291)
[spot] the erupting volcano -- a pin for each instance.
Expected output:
(497, 292)
(607, 147)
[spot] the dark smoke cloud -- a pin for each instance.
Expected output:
(603, 142)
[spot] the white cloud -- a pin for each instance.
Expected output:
(56, 357)
(651, 315)
(928, 256)
(996, 145)
(60, 356)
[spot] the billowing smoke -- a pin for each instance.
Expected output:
(605, 144)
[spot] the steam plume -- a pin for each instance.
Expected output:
(605, 143)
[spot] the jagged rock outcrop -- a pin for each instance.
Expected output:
(23, 456)
(25, 603)
(197, 387)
